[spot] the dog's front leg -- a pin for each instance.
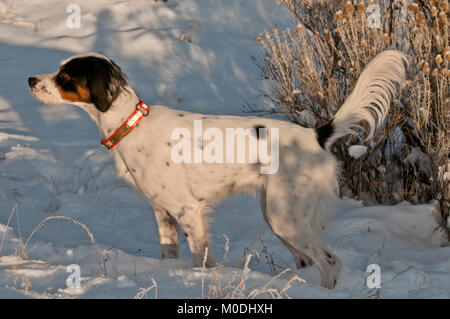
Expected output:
(194, 225)
(168, 233)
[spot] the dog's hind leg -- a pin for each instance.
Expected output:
(291, 217)
(301, 260)
(328, 264)
(168, 233)
(195, 226)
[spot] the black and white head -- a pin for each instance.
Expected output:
(89, 79)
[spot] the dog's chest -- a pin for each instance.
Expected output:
(143, 160)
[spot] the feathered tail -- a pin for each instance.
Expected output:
(377, 85)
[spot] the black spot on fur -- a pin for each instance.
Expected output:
(168, 144)
(180, 115)
(167, 163)
(231, 187)
(263, 132)
(324, 133)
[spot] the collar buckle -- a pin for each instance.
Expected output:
(143, 108)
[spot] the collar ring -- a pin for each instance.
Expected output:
(143, 108)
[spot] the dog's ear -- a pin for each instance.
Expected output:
(105, 81)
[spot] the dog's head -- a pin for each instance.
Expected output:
(91, 78)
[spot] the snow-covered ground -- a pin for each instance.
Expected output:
(187, 54)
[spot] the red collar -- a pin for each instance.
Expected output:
(141, 111)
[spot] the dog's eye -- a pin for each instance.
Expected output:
(64, 80)
(63, 77)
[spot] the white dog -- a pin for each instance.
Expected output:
(294, 198)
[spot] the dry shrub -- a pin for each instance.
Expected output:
(309, 71)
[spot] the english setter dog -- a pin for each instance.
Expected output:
(294, 198)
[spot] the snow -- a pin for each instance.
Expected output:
(418, 160)
(356, 151)
(191, 55)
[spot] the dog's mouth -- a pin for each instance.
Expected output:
(34, 93)
(37, 94)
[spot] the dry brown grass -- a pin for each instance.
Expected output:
(235, 287)
(22, 250)
(309, 71)
(143, 292)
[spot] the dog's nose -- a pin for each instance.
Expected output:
(32, 81)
